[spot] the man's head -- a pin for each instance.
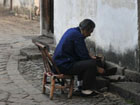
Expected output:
(87, 26)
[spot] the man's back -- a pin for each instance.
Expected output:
(72, 57)
(70, 49)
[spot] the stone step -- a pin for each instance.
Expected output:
(130, 75)
(31, 52)
(128, 90)
(115, 78)
(101, 82)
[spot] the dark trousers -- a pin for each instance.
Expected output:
(86, 70)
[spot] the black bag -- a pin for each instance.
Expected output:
(100, 61)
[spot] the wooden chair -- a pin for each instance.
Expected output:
(57, 81)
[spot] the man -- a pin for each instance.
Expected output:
(72, 57)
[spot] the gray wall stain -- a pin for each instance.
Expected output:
(116, 26)
(129, 59)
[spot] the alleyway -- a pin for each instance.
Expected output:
(12, 27)
(16, 33)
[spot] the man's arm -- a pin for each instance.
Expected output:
(100, 69)
(82, 52)
(81, 49)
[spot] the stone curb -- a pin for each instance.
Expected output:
(114, 87)
(12, 68)
(128, 90)
(30, 53)
(130, 75)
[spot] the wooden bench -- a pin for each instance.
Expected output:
(57, 81)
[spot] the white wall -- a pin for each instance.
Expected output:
(117, 24)
(68, 13)
(16, 3)
(116, 21)
(6, 4)
(23, 3)
(1, 1)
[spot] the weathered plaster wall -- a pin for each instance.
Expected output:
(25, 3)
(139, 32)
(117, 24)
(68, 13)
(1, 1)
(19, 3)
(22, 6)
(5, 2)
(116, 33)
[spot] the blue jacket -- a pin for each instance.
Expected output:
(70, 49)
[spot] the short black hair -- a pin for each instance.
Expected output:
(87, 24)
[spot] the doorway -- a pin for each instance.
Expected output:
(48, 14)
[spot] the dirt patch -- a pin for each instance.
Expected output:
(12, 26)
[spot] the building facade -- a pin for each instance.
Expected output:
(116, 34)
(24, 7)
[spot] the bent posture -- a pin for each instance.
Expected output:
(72, 57)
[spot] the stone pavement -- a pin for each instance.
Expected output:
(13, 35)
(14, 90)
(16, 33)
(22, 85)
(32, 71)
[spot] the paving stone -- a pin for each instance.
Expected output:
(15, 91)
(3, 72)
(3, 95)
(128, 90)
(31, 53)
(59, 99)
(2, 103)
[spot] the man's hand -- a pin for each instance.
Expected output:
(100, 70)
(93, 57)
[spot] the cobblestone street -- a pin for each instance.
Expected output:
(10, 93)
(32, 71)
(24, 88)
(14, 33)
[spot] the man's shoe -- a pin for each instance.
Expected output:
(110, 71)
(85, 93)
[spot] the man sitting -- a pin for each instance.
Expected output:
(72, 57)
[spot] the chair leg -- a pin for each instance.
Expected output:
(62, 84)
(71, 88)
(52, 87)
(44, 82)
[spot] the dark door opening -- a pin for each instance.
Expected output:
(48, 14)
(52, 15)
